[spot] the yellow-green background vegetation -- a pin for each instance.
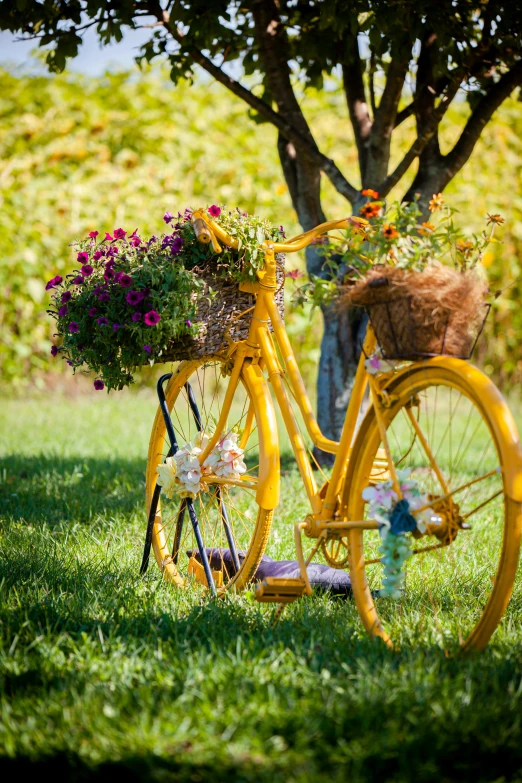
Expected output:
(80, 153)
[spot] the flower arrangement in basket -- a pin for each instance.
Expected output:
(417, 279)
(133, 301)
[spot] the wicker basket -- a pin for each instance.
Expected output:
(401, 334)
(218, 315)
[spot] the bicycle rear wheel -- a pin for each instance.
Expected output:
(234, 528)
(441, 427)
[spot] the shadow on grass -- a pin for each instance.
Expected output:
(52, 490)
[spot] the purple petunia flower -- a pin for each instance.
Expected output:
(102, 321)
(104, 297)
(93, 234)
(108, 237)
(168, 216)
(152, 318)
(189, 323)
(147, 348)
(135, 240)
(70, 363)
(99, 384)
(93, 311)
(53, 282)
(214, 210)
(126, 281)
(66, 297)
(119, 233)
(177, 244)
(134, 297)
(98, 255)
(136, 316)
(112, 251)
(87, 270)
(54, 350)
(83, 257)
(108, 274)
(63, 310)
(73, 327)
(99, 290)
(78, 280)
(115, 327)
(118, 276)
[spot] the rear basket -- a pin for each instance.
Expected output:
(402, 335)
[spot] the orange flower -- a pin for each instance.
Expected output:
(370, 210)
(370, 193)
(390, 232)
(437, 202)
(465, 247)
(426, 229)
(498, 219)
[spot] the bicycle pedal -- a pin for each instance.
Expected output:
(195, 569)
(280, 591)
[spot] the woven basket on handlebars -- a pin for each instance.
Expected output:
(218, 315)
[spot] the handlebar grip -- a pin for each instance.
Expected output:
(202, 231)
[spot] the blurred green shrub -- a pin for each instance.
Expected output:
(78, 154)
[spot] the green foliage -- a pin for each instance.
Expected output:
(108, 675)
(87, 154)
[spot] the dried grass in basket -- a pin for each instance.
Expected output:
(219, 315)
(438, 310)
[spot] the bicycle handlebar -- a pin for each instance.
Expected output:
(207, 230)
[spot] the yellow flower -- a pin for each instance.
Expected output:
(436, 202)
(498, 219)
(465, 247)
(426, 229)
(488, 258)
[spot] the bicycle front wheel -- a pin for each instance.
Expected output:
(442, 427)
(233, 526)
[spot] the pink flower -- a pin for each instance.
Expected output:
(87, 270)
(135, 240)
(99, 384)
(125, 281)
(168, 216)
(54, 350)
(98, 255)
(93, 234)
(83, 257)
(119, 233)
(108, 237)
(214, 210)
(294, 274)
(108, 274)
(134, 297)
(73, 327)
(152, 318)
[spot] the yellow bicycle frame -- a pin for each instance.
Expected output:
(260, 347)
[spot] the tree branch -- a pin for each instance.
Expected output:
(422, 139)
(480, 116)
(306, 145)
(356, 101)
(403, 114)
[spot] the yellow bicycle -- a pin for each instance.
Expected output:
(441, 418)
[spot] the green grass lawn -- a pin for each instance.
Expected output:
(107, 675)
